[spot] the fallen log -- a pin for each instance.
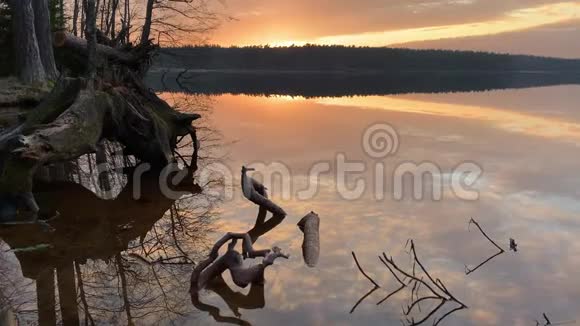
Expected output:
(72, 52)
(309, 225)
(77, 46)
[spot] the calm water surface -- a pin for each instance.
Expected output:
(527, 144)
(526, 141)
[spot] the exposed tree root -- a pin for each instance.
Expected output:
(73, 119)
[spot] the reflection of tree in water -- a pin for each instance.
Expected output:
(127, 257)
(123, 260)
(16, 293)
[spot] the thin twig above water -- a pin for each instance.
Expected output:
(500, 249)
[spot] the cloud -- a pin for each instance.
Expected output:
(305, 19)
(552, 40)
(514, 21)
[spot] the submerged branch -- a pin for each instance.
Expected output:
(410, 279)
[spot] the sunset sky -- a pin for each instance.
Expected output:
(543, 27)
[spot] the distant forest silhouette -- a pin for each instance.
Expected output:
(346, 84)
(345, 58)
(314, 71)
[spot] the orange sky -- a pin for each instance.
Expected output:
(394, 22)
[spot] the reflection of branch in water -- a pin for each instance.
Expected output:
(437, 291)
(206, 272)
(178, 80)
(547, 321)
(236, 300)
(500, 250)
(376, 286)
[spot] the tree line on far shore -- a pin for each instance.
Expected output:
(27, 27)
(335, 57)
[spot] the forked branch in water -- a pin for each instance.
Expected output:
(500, 249)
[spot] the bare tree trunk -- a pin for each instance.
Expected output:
(62, 16)
(75, 17)
(91, 36)
(83, 295)
(101, 158)
(147, 24)
(126, 303)
(45, 298)
(102, 11)
(29, 64)
(97, 6)
(112, 22)
(82, 11)
(44, 37)
(107, 17)
(124, 26)
(67, 295)
(128, 17)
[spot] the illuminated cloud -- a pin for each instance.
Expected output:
(546, 40)
(520, 19)
(394, 22)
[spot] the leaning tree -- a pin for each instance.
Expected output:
(32, 41)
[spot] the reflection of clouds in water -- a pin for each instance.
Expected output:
(450, 138)
(516, 122)
(528, 192)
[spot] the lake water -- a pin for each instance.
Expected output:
(523, 143)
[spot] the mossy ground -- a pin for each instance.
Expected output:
(16, 98)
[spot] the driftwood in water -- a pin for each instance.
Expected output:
(255, 192)
(309, 225)
(208, 273)
(232, 260)
(213, 266)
